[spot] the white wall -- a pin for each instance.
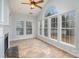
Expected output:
(19, 17)
(64, 5)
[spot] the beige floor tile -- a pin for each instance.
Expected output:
(34, 48)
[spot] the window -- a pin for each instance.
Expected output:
(68, 28)
(51, 11)
(62, 27)
(28, 27)
(20, 27)
(54, 28)
(46, 27)
(40, 27)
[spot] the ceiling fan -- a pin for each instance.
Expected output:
(34, 4)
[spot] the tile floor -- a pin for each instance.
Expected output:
(35, 48)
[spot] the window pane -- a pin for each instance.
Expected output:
(46, 32)
(20, 27)
(68, 28)
(68, 36)
(54, 28)
(40, 27)
(46, 27)
(29, 31)
(28, 27)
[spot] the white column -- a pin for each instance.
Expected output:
(24, 28)
(38, 28)
(49, 27)
(43, 27)
(59, 27)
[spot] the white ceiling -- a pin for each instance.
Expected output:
(17, 7)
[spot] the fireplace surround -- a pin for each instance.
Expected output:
(5, 44)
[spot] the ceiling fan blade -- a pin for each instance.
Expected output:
(26, 3)
(30, 0)
(39, 2)
(38, 6)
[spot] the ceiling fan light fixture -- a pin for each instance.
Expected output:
(33, 6)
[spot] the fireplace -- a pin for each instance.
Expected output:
(5, 44)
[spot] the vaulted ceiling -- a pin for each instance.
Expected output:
(17, 7)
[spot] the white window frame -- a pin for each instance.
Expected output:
(59, 28)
